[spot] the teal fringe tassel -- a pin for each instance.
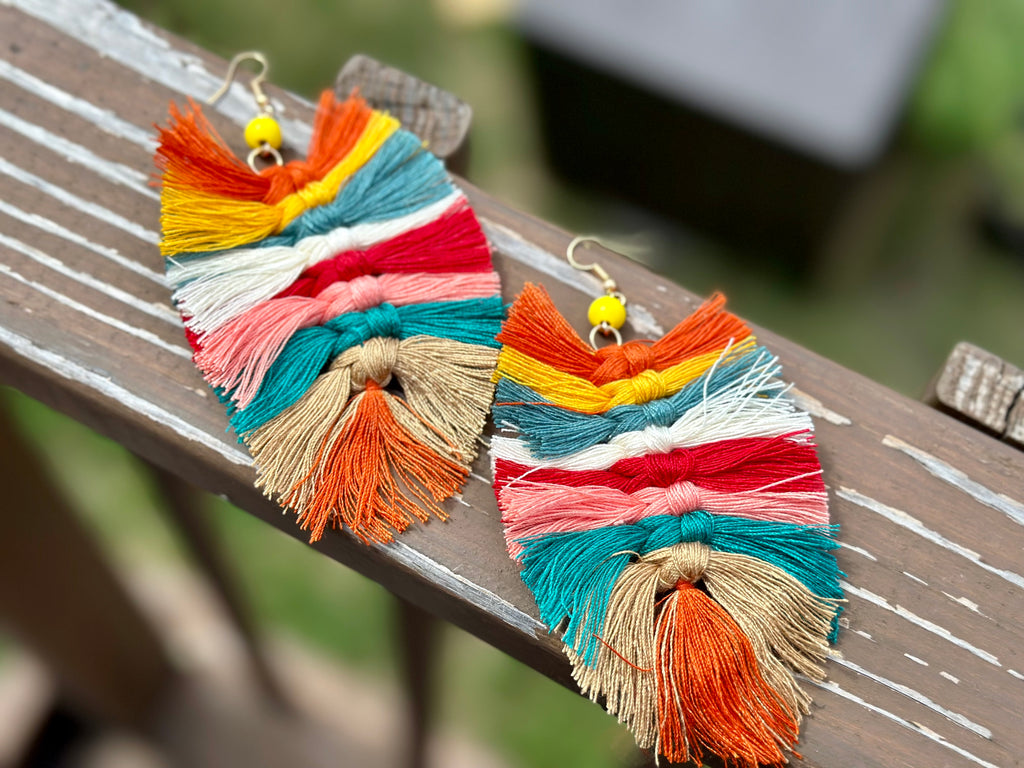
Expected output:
(310, 350)
(560, 568)
(551, 431)
(400, 178)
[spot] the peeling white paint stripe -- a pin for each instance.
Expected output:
(911, 523)
(102, 384)
(916, 660)
(513, 244)
(51, 227)
(103, 119)
(159, 311)
(815, 407)
(122, 37)
(859, 550)
(951, 678)
(926, 732)
(464, 588)
(912, 577)
(112, 171)
(74, 201)
(923, 623)
(1012, 508)
(1016, 674)
(920, 698)
(113, 322)
(968, 604)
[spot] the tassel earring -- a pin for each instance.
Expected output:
(667, 507)
(344, 308)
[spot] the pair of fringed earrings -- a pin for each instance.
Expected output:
(663, 498)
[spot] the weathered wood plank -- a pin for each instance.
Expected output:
(436, 116)
(981, 387)
(1015, 422)
(930, 508)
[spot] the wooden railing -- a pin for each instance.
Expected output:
(930, 672)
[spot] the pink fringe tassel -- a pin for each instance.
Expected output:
(533, 509)
(239, 354)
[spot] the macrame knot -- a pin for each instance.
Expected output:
(623, 362)
(661, 412)
(331, 302)
(657, 439)
(365, 292)
(316, 279)
(683, 497)
(315, 194)
(382, 320)
(697, 526)
(356, 327)
(351, 265)
(288, 179)
(665, 531)
(319, 248)
(684, 562)
(309, 218)
(664, 469)
(647, 386)
(375, 361)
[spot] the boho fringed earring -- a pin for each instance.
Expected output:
(666, 504)
(344, 308)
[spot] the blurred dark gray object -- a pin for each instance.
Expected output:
(750, 119)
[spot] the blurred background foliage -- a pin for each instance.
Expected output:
(908, 270)
(969, 96)
(912, 268)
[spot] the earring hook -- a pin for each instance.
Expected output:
(265, 138)
(611, 289)
(607, 282)
(255, 85)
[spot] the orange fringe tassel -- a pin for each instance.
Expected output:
(357, 475)
(711, 695)
(536, 327)
(192, 155)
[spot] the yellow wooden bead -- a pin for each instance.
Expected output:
(263, 129)
(607, 309)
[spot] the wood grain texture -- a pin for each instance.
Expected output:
(1015, 422)
(984, 388)
(931, 509)
(436, 116)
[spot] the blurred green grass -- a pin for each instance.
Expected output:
(905, 278)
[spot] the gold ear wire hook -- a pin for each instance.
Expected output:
(609, 284)
(607, 313)
(262, 133)
(256, 84)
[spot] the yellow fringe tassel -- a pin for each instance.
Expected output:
(196, 222)
(578, 394)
